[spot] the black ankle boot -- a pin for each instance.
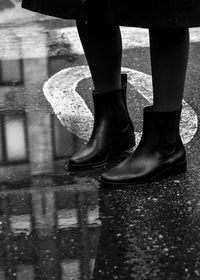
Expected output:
(159, 154)
(113, 130)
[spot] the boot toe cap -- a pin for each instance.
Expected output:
(85, 161)
(125, 174)
(113, 177)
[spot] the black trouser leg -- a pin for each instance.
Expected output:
(169, 50)
(103, 49)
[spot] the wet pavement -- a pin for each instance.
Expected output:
(60, 225)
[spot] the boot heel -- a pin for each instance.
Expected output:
(178, 169)
(127, 145)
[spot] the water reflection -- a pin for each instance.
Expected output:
(29, 133)
(49, 225)
(48, 232)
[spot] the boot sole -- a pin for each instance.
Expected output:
(169, 172)
(123, 147)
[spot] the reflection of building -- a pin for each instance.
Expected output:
(46, 231)
(29, 135)
(12, 120)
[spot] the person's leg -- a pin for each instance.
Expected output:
(113, 131)
(160, 152)
(102, 45)
(169, 56)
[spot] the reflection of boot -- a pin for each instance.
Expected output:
(159, 154)
(113, 130)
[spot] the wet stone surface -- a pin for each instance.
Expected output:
(60, 225)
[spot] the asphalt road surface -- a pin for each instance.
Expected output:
(58, 225)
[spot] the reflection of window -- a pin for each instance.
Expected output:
(71, 269)
(1, 146)
(64, 141)
(13, 142)
(25, 271)
(11, 72)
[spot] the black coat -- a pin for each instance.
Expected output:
(141, 13)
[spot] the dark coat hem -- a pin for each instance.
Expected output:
(165, 23)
